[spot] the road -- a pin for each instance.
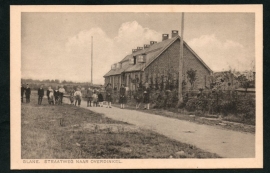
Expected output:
(225, 143)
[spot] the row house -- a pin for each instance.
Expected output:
(157, 63)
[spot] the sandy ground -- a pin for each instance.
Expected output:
(225, 143)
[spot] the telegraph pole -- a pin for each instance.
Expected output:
(181, 60)
(92, 60)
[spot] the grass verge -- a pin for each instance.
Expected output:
(69, 132)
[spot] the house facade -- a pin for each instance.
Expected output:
(157, 64)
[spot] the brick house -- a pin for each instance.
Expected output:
(158, 65)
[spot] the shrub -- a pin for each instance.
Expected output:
(181, 105)
(201, 104)
(191, 104)
(246, 107)
(228, 107)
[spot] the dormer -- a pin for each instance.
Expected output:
(132, 60)
(141, 58)
(118, 65)
(113, 67)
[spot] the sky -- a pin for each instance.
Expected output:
(58, 45)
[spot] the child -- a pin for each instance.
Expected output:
(78, 97)
(100, 99)
(146, 98)
(56, 95)
(51, 96)
(95, 99)
(71, 98)
(138, 97)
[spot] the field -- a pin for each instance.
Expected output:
(69, 132)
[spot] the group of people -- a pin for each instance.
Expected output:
(94, 97)
(55, 96)
(141, 95)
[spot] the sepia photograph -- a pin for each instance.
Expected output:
(113, 87)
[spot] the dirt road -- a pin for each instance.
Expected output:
(225, 143)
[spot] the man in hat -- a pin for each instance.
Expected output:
(40, 94)
(27, 93)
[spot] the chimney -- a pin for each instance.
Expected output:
(152, 42)
(165, 37)
(174, 33)
(146, 46)
(139, 48)
(134, 50)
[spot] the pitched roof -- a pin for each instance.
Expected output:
(197, 56)
(152, 53)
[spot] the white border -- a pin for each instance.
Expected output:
(15, 75)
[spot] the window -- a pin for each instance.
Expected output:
(132, 60)
(141, 58)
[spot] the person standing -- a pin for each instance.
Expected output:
(100, 99)
(109, 90)
(27, 93)
(78, 97)
(71, 98)
(51, 96)
(40, 94)
(22, 92)
(138, 97)
(95, 99)
(56, 95)
(89, 97)
(61, 93)
(122, 96)
(48, 94)
(146, 97)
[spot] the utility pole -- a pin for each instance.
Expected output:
(92, 60)
(181, 60)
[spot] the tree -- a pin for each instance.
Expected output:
(244, 82)
(192, 76)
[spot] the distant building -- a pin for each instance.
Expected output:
(158, 65)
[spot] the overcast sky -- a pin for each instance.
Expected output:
(58, 45)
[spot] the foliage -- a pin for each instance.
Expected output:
(227, 107)
(192, 76)
(246, 107)
(191, 104)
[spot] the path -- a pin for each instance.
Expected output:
(225, 143)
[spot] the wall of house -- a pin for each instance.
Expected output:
(114, 80)
(203, 75)
(168, 64)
